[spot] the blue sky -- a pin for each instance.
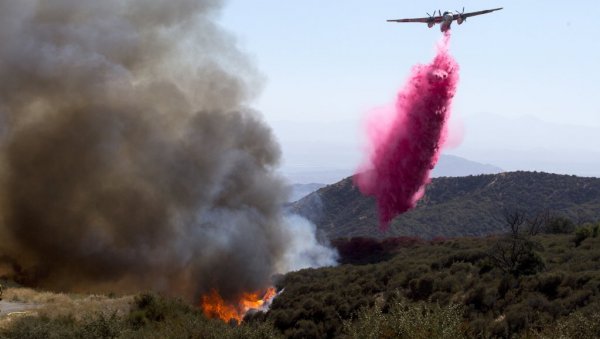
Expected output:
(326, 63)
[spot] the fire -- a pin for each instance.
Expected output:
(214, 306)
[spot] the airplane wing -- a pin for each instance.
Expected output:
(436, 19)
(466, 15)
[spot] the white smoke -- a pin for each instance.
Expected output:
(305, 250)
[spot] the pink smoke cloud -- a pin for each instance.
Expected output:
(405, 139)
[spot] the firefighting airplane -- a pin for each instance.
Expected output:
(445, 20)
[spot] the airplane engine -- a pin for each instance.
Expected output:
(430, 24)
(460, 20)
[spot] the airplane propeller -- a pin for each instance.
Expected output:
(433, 15)
(461, 14)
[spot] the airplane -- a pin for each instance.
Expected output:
(445, 20)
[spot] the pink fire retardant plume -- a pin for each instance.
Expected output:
(406, 139)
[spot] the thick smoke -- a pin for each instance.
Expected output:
(129, 160)
(406, 139)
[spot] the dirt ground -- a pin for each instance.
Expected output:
(10, 310)
(9, 307)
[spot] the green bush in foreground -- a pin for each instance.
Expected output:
(576, 325)
(405, 320)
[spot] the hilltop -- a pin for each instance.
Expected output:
(454, 206)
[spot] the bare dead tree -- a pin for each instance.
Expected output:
(514, 219)
(535, 224)
(520, 223)
(515, 252)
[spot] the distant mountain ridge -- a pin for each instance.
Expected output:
(454, 166)
(453, 207)
(447, 166)
(525, 142)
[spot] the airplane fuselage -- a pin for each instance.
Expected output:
(447, 21)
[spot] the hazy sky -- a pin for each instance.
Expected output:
(529, 95)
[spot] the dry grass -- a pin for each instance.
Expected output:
(31, 296)
(7, 320)
(87, 306)
(60, 304)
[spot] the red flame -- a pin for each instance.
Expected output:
(214, 306)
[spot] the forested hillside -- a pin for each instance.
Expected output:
(454, 207)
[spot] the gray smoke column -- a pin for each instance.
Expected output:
(128, 158)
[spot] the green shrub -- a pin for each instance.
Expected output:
(31, 327)
(548, 283)
(424, 320)
(421, 288)
(560, 225)
(481, 298)
(518, 318)
(150, 308)
(369, 323)
(407, 320)
(576, 325)
(304, 329)
(581, 234)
